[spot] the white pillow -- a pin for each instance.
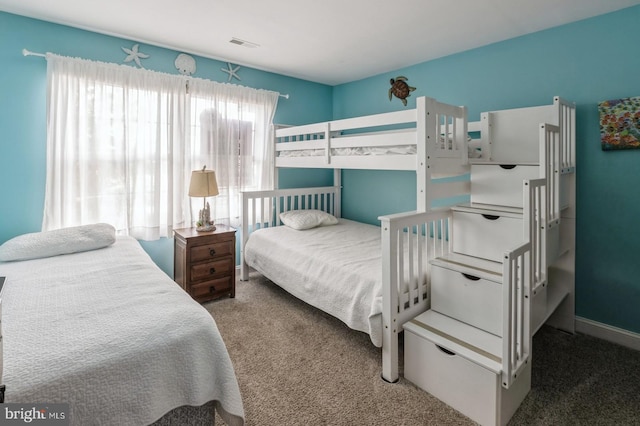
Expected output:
(59, 241)
(307, 219)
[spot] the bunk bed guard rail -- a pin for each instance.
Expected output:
(409, 242)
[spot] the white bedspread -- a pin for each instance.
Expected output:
(337, 269)
(109, 333)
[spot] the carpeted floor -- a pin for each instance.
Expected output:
(298, 366)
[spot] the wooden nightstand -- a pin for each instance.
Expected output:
(205, 262)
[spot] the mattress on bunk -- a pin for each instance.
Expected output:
(336, 268)
(379, 150)
(473, 147)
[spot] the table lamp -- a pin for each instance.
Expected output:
(203, 184)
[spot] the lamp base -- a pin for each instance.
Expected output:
(206, 228)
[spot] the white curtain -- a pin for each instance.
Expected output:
(122, 142)
(230, 125)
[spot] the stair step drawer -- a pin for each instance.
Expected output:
(461, 366)
(467, 298)
(500, 184)
(486, 236)
(458, 382)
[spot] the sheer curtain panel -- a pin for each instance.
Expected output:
(231, 134)
(122, 141)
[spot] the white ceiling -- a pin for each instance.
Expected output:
(326, 41)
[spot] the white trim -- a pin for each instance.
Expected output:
(608, 333)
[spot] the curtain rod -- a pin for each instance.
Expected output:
(26, 52)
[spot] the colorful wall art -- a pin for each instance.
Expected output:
(620, 123)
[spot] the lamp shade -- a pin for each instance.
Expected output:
(203, 183)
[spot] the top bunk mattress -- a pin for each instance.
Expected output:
(362, 150)
(336, 268)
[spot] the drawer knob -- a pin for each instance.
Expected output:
(508, 166)
(490, 217)
(212, 252)
(212, 271)
(212, 289)
(471, 277)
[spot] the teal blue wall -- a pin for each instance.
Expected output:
(23, 111)
(586, 62)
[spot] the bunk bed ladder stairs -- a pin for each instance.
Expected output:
(472, 348)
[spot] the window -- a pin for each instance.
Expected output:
(122, 143)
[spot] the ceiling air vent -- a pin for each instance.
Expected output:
(243, 42)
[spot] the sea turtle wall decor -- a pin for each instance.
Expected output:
(400, 89)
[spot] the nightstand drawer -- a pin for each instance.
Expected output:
(214, 269)
(211, 289)
(212, 251)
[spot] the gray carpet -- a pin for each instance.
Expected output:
(298, 366)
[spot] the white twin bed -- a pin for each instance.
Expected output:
(104, 330)
(335, 268)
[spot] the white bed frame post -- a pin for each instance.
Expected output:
(389, 305)
(486, 122)
(337, 200)
(425, 122)
(244, 268)
(327, 140)
(566, 122)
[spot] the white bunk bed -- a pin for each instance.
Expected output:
(432, 140)
(406, 140)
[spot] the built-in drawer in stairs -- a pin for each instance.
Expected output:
(486, 233)
(468, 289)
(461, 365)
(500, 184)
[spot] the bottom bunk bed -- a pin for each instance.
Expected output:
(372, 278)
(89, 320)
(335, 268)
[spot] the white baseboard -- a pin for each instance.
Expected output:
(608, 333)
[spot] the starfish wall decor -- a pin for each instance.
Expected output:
(231, 71)
(134, 55)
